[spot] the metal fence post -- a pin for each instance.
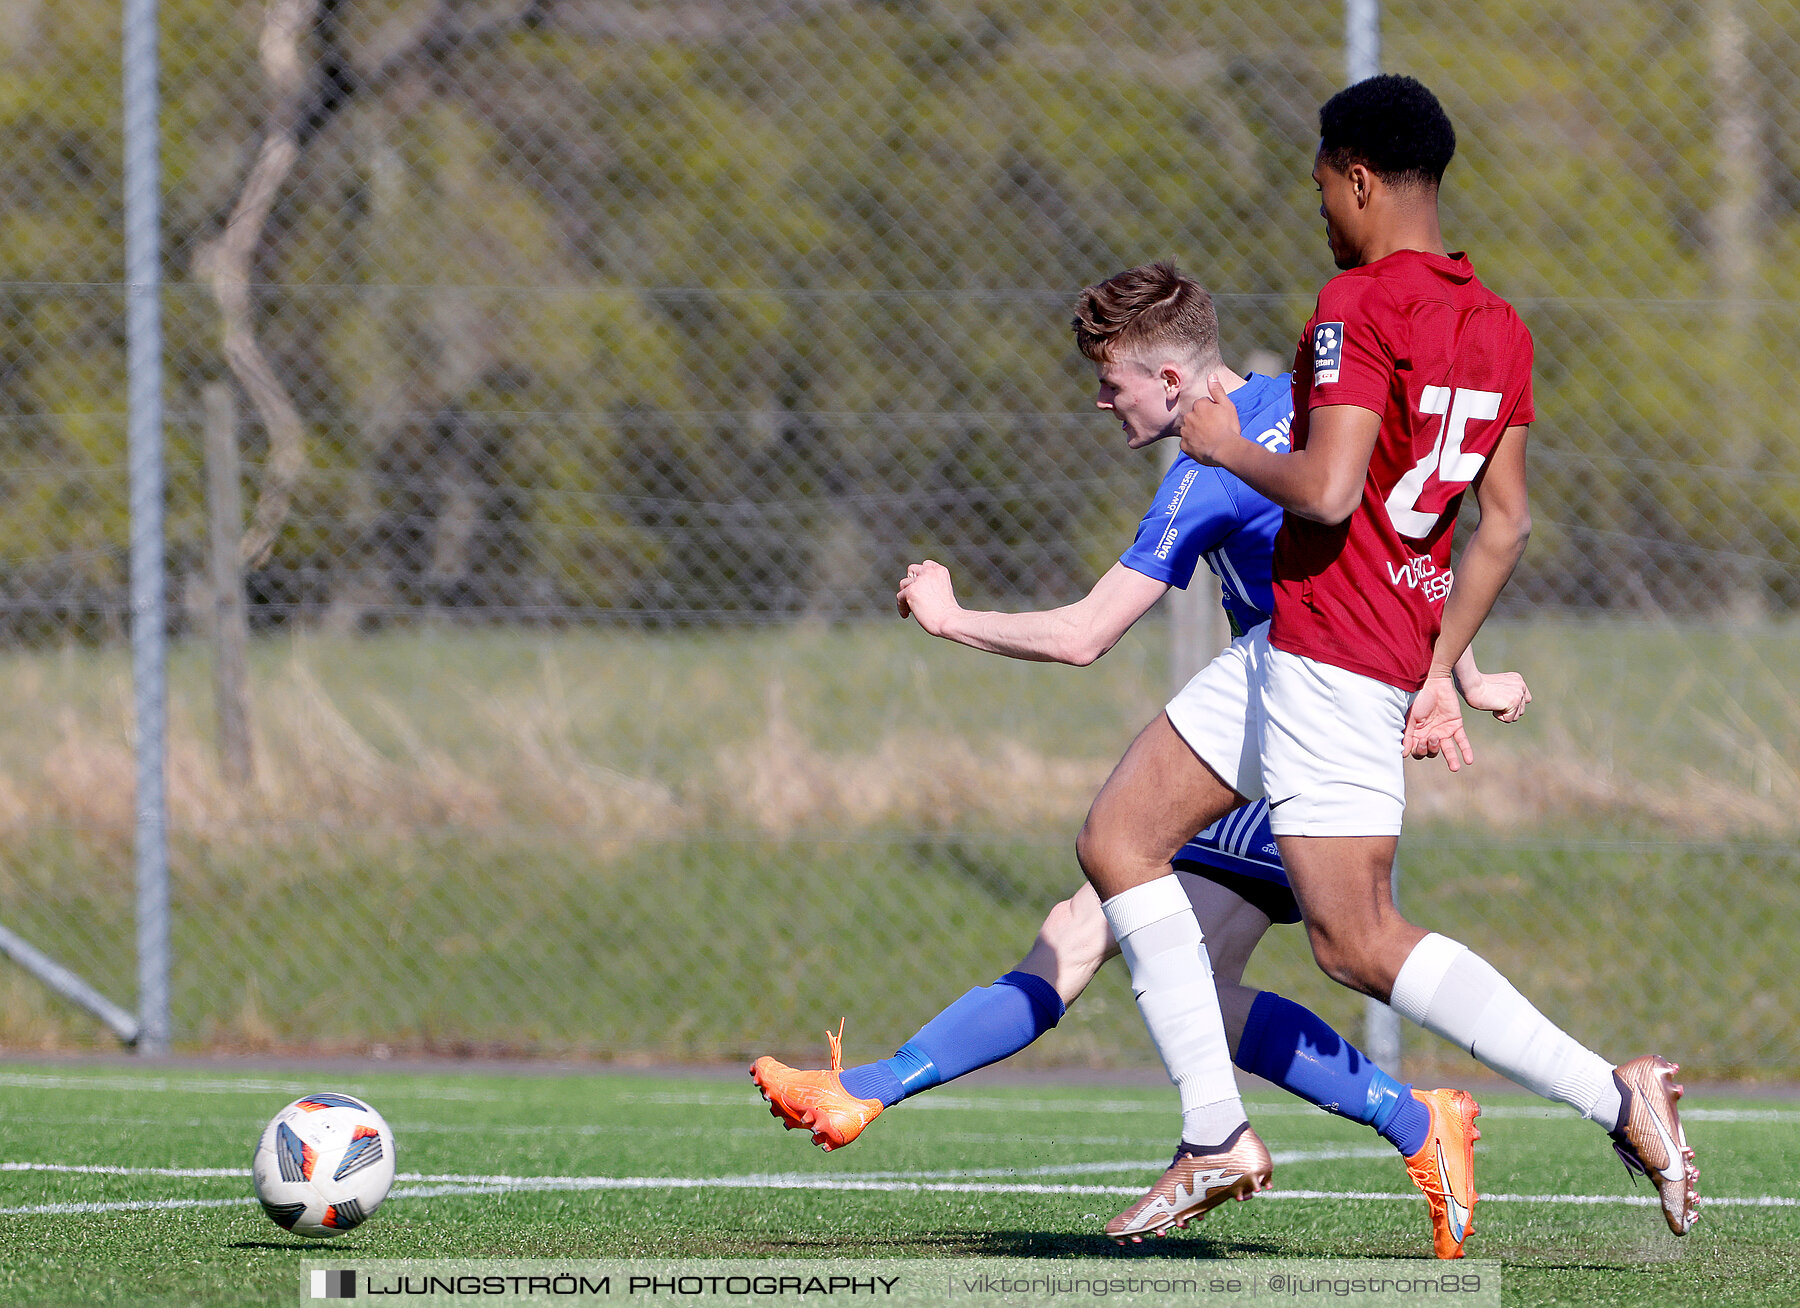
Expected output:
(229, 618)
(1362, 60)
(1362, 39)
(143, 289)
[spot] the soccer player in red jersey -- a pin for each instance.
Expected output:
(1412, 384)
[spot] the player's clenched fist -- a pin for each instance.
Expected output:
(927, 596)
(1209, 424)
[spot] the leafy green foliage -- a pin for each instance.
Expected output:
(693, 326)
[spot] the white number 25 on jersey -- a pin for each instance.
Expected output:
(1453, 467)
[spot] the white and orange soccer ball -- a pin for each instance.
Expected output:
(323, 1165)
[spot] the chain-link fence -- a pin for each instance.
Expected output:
(597, 366)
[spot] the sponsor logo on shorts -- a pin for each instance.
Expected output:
(1328, 352)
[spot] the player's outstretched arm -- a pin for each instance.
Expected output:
(1076, 633)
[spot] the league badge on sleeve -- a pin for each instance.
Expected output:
(1328, 352)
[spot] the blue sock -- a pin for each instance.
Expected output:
(1294, 1048)
(985, 1025)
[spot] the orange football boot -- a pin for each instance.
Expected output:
(1444, 1167)
(815, 1101)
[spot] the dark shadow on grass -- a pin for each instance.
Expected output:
(295, 1246)
(1040, 1244)
(1024, 1244)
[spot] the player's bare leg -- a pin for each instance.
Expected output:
(1075, 942)
(1361, 941)
(1071, 946)
(1345, 888)
(1155, 799)
(1158, 796)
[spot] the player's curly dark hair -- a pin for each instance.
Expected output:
(1392, 125)
(1154, 305)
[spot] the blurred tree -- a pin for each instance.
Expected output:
(730, 306)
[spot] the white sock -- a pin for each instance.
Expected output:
(1453, 992)
(1171, 976)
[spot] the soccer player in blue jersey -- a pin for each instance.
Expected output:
(1153, 338)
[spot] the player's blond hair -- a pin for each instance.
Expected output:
(1155, 306)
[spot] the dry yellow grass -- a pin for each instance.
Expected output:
(466, 779)
(314, 765)
(779, 782)
(1512, 791)
(318, 764)
(614, 754)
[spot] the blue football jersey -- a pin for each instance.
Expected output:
(1206, 513)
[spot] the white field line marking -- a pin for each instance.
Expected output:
(1633, 1200)
(715, 1099)
(1158, 1141)
(132, 1206)
(587, 1129)
(1285, 1156)
(545, 1184)
(39, 1119)
(1054, 1169)
(404, 1127)
(90, 1170)
(237, 1086)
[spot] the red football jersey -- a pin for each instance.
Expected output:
(1418, 339)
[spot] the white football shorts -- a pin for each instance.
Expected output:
(1320, 743)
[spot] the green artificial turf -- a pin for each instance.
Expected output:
(571, 1127)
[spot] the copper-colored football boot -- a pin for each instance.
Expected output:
(1195, 1184)
(1650, 1141)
